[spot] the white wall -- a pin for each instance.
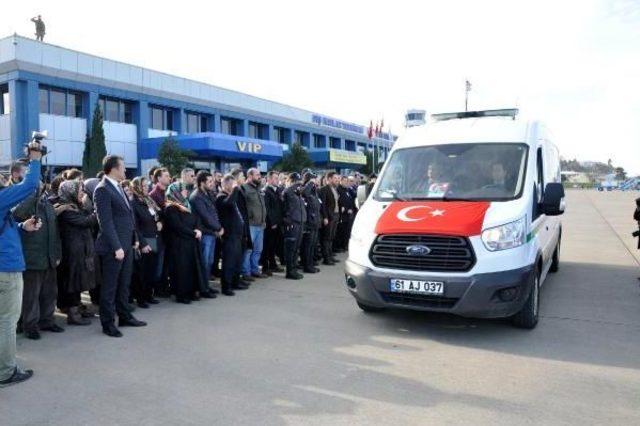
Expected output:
(155, 133)
(66, 139)
(121, 139)
(5, 139)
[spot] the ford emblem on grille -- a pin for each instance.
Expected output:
(417, 250)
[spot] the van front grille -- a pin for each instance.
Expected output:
(445, 253)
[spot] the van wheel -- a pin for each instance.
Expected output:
(528, 315)
(367, 308)
(555, 260)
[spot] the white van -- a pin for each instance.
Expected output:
(464, 218)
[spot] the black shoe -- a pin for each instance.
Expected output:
(267, 272)
(183, 300)
(164, 294)
(17, 377)
(248, 278)
(278, 269)
(228, 292)
(131, 322)
(208, 295)
(111, 331)
(328, 263)
(195, 298)
(32, 334)
(240, 287)
(310, 271)
(143, 305)
(214, 291)
(153, 301)
(55, 328)
(294, 276)
(244, 283)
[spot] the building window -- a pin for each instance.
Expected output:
(302, 138)
(5, 106)
(279, 134)
(111, 110)
(193, 123)
(58, 103)
(319, 141)
(116, 110)
(161, 118)
(44, 101)
(204, 123)
(335, 143)
(258, 130)
(74, 104)
(349, 145)
(229, 126)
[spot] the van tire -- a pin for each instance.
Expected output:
(528, 315)
(369, 309)
(555, 260)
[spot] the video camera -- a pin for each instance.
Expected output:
(37, 136)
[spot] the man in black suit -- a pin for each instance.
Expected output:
(235, 233)
(114, 244)
(273, 231)
(295, 217)
(331, 216)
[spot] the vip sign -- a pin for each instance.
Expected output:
(253, 147)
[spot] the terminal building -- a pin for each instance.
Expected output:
(46, 87)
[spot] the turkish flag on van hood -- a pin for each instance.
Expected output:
(459, 218)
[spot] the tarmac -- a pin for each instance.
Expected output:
(301, 352)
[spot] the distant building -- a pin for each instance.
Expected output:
(56, 89)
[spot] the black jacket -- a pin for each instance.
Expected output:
(314, 207)
(346, 202)
(203, 205)
(145, 222)
(295, 212)
(274, 207)
(115, 217)
(235, 226)
(328, 203)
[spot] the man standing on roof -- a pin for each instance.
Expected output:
(39, 27)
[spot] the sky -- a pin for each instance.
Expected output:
(573, 64)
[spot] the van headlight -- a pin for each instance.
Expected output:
(509, 235)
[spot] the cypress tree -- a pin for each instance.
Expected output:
(94, 146)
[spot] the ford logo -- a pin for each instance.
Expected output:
(417, 250)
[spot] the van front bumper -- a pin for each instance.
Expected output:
(489, 295)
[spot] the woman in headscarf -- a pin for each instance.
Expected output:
(183, 245)
(148, 227)
(76, 272)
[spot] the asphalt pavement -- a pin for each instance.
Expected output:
(301, 352)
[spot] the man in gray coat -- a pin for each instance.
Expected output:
(257, 212)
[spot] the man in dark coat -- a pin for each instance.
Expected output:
(312, 225)
(234, 234)
(115, 246)
(347, 206)
(295, 216)
(273, 231)
(241, 203)
(330, 216)
(203, 204)
(42, 254)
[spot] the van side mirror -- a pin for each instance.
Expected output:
(362, 195)
(553, 200)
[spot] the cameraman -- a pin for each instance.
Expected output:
(11, 266)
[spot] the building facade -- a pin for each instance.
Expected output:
(46, 87)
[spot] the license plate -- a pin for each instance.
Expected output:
(415, 286)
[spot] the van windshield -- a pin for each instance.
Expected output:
(474, 171)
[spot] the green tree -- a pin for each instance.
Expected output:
(296, 159)
(373, 162)
(621, 174)
(94, 145)
(172, 156)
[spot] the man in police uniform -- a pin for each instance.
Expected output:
(295, 216)
(39, 27)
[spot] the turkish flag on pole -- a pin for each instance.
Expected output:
(459, 218)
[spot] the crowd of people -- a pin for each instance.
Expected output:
(131, 243)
